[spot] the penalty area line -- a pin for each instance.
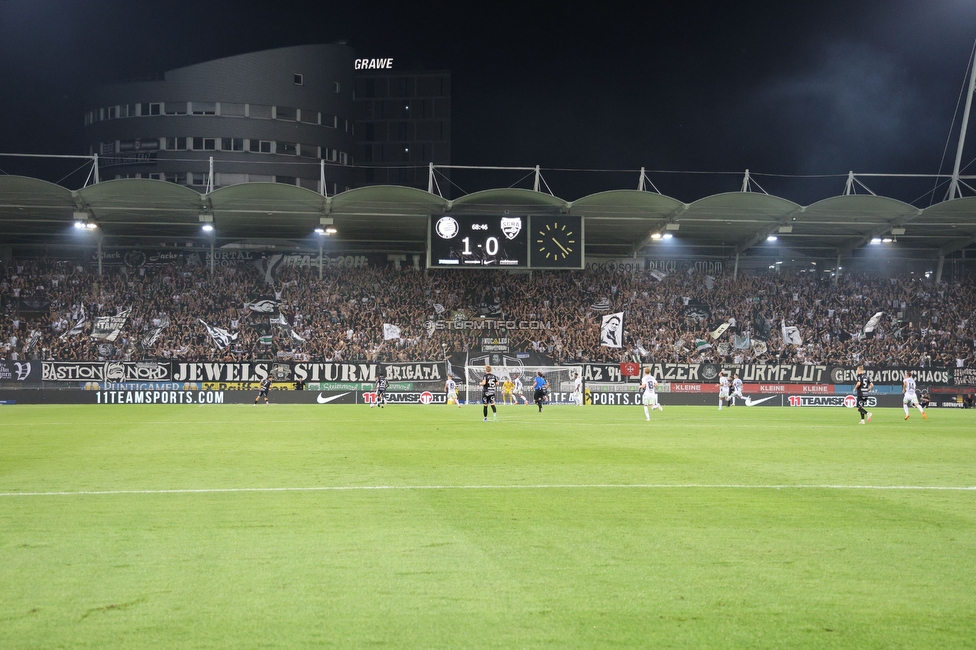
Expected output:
(594, 486)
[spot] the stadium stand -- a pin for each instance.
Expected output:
(49, 309)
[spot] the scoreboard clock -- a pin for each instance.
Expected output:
(505, 241)
(468, 241)
(556, 242)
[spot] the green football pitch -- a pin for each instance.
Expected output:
(342, 526)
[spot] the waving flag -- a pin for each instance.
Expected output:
(720, 330)
(108, 328)
(390, 331)
(221, 337)
(869, 327)
(791, 335)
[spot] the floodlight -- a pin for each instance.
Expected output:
(772, 238)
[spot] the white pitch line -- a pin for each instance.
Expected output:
(353, 488)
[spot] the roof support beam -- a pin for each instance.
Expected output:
(957, 245)
(763, 233)
(846, 248)
(658, 227)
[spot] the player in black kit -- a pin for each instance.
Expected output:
(263, 388)
(863, 383)
(488, 386)
(380, 392)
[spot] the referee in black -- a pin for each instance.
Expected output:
(862, 383)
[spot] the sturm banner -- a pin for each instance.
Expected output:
(34, 372)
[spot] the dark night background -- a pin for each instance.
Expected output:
(790, 88)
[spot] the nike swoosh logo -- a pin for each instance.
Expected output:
(752, 402)
(326, 400)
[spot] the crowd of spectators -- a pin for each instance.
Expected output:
(49, 308)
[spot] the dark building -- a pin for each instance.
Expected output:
(286, 115)
(403, 123)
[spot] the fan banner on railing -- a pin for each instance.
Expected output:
(612, 330)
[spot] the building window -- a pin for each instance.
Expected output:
(203, 108)
(260, 146)
(286, 113)
(308, 116)
(232, 144)
(179, 178)
(299, 79)
(175, 108)
(343, 158)
(228, 109)
(259, 111)
(147, 108)
(308, 151)
(176, 144)
(287, 180)
(204, 144)
(287, 148)
(336, 87)
(198, 178)
(156, 177)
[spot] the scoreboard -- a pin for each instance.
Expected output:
(504, 241)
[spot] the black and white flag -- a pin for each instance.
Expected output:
(108, 328)
(390, 331)
(35, 338)
(79, 326)
(612, 330)
(154, 333)
(262, 305)
(268, 265)
(603, 304)
(869, 327)
(791, 335)
(221, 337)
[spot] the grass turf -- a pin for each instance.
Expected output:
(426, 527)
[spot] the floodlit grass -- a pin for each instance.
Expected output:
(342, 526)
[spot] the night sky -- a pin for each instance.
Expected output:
(791, 88)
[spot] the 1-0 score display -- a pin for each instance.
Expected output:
(502, 241)
(478, 241)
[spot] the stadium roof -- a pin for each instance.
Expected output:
(618, 222)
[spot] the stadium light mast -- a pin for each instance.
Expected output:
(954, 192)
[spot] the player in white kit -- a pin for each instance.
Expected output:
(649, 394)
(723, 390)
(577, 389)
(910, 399)
(736, 388)
(517, 390)
(450, 387)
